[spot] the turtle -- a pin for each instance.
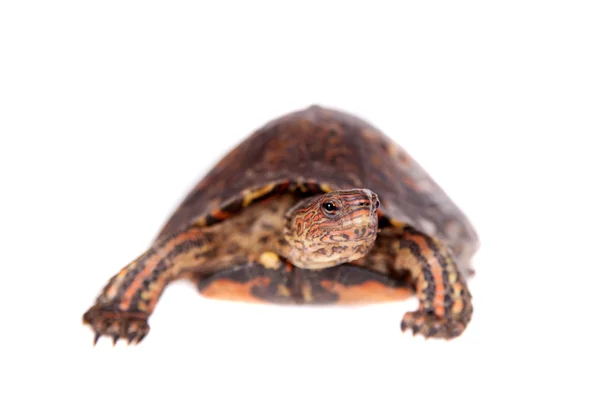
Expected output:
(318, 206)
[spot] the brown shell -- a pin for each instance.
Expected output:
(327, 150)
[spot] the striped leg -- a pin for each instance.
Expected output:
(445, 306)
(123, 307)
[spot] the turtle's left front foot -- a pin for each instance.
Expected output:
(445, 307)
(108, 321)
(429, 324)
(445, 318)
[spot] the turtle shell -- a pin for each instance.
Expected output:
(317, 150)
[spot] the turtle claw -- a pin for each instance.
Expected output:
(433, 326)
(131, 337)
(116, 324)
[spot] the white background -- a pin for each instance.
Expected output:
(110, 111)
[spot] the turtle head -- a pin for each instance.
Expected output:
(332, 228)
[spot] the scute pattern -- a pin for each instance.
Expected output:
(339, 151)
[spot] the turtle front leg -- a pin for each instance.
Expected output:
(124, 305)
(445, 307)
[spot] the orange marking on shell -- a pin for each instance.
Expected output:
(226, 289)
(403, 158)
(325, 188)
(200, 221)
(251, 196)
(411, 183)
(151, 263)
(368, 292)
(220, 215)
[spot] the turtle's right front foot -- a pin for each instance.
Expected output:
(107, 320)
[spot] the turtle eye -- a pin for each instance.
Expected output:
(329, 208)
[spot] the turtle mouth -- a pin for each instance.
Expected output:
(373, 221)
(364, 218)
(366, 225)
(369, 220)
